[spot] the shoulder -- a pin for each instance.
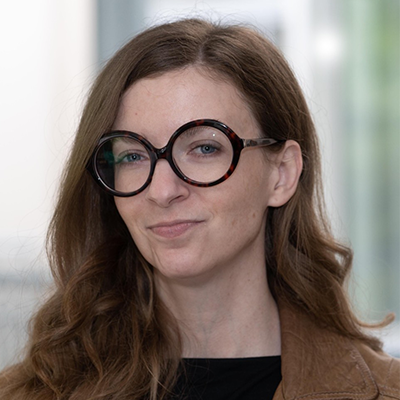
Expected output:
(384, 370)
(320, 364)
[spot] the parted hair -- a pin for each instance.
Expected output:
(104, 333)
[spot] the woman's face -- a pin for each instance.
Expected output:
(190, 233)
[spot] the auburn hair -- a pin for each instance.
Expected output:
(104, 333)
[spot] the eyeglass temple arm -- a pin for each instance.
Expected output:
(259, 142)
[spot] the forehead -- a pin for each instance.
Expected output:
(155, 107)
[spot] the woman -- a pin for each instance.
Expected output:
(189, 247)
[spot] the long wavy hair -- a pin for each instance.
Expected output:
(104, 333)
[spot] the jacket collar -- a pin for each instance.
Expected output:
(319, 364)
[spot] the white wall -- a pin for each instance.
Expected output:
(47, 62)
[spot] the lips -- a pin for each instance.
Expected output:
(173, 229)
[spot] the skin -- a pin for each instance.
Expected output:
(207, 244)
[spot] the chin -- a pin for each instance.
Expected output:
(186, 273)
(177, 272)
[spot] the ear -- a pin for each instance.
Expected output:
(289, 164)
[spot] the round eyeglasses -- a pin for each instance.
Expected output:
(203, 153)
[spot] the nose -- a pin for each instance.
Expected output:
(166, 187)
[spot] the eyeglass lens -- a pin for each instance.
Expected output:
(201, 153)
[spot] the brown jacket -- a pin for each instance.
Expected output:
(317, 364)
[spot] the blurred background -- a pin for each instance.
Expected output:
(345, 53)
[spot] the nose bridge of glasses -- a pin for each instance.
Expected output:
(164, 153)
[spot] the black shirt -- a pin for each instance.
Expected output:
(229, 379)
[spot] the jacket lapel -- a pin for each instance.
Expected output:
(318, 364)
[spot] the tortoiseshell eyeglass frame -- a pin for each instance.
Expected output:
(238, 144)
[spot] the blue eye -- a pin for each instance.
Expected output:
(204, 149)
(131, 159)
(207, 149)
(134, 157)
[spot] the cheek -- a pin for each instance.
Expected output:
(253, 194)
(121, 207)
(244, 209)
(127, 210)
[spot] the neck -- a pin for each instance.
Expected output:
(230, 316)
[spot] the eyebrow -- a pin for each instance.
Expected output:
(195, 129)
(125, 139)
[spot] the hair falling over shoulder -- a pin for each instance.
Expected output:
(104, 333)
